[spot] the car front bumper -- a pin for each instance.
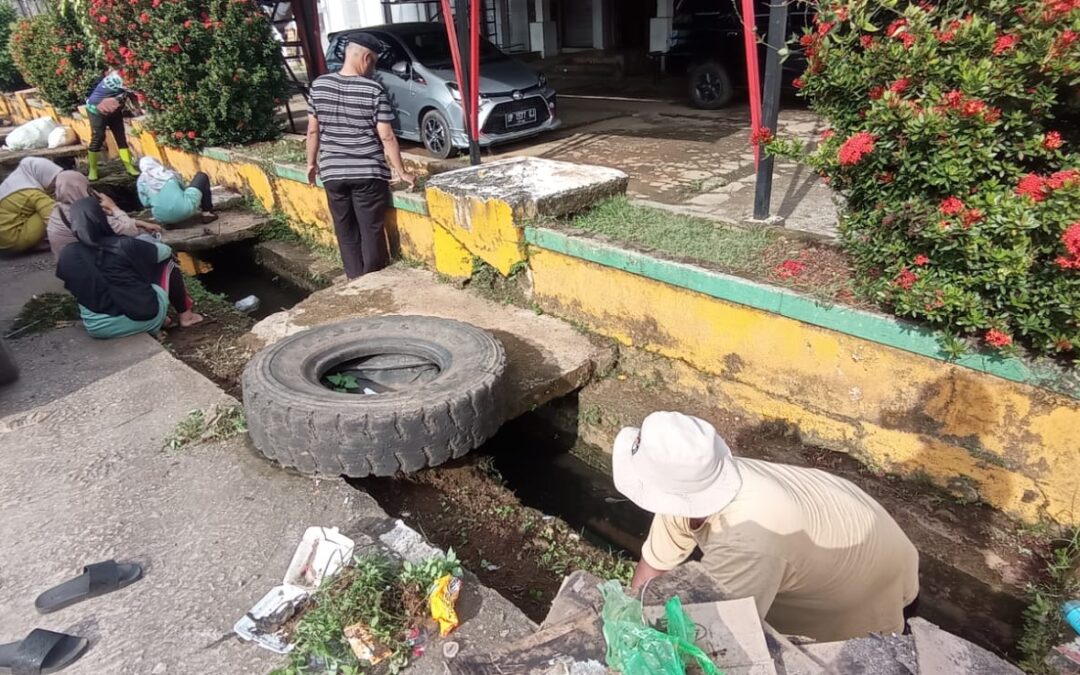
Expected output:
(492, 132)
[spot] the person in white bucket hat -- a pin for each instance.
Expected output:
(819, 556)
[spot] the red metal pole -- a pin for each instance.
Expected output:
(753, 76)
(451, 35)
(474, 70)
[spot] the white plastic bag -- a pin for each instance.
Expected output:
(61, 137)
(33, 135)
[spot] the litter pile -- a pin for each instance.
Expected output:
(571, 640)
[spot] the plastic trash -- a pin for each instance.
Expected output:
(1071, 612)
(635, 648)
(248, 304)
(61, 137)
(321, 554)
(34, 135)
(442, 602)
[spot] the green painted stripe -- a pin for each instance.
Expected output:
(857, 323)
(220, 154)
(410, 201)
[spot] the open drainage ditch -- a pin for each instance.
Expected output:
(523, 510)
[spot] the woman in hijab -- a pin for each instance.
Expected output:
(123, 285)
(162, 191)
(71, 186)
(25, 204)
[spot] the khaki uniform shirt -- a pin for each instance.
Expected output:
(819, 556)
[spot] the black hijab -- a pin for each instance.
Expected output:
(107, 273)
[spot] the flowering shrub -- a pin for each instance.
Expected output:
(954, 138)
(50, 52)
(10, 79)
(207, 71)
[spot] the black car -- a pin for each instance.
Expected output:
(707, 43)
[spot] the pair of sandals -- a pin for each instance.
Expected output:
(45, 651)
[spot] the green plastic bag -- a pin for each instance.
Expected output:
(634, 648)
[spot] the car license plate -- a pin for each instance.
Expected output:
(520, 118)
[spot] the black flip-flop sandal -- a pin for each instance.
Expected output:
(97, 579)
(42, 651)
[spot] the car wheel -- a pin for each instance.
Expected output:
(375, 396)
(435, 133)
(710, 86)
(9, 372)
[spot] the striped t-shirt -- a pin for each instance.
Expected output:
(348, 107)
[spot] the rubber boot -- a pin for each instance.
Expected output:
(93, 158)
(125, 157)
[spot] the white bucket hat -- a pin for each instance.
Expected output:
(675, 465)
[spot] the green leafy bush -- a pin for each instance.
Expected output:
(953, 136)
(50, 50)
(10, 79)
(208, 71)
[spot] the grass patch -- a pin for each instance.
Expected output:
(278, 227)
(1044, 627)
(43, 313)
(285, 151)
(206, 300)
(386, 598)
(215, 423)
(735, 249)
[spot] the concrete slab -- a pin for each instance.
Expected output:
(533, 186)
(546, 357)
(10, 158)
(230, 227)
(875, 655)
(215, 525)
(297, 264)
(943, 652)
(22, 277)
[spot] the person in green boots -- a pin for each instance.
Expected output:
(106, 109)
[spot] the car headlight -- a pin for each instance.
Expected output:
(455, 92)
(542, 81)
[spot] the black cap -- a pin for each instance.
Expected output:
(366, 40)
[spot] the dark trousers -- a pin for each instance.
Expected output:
(359, 209)
(113, 122)
(202, 182)
(172, 282)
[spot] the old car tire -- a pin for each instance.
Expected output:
(9, 372)
(296, 420)
(435, 134)
(710, 86)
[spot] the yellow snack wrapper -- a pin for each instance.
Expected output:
(442, 602)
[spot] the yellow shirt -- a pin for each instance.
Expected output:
(819, 556)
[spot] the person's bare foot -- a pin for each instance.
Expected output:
(189, 319)
(208, 217)
(168, 322)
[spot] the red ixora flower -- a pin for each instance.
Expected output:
(866, 41)
(1032, 185)
(855, 148)
(900, 85)
(996, 338)
(1059, 179)
(895, 28)
(1004, 43)
(798, 83)
(1052, 140)
(1071, 239)
(790, 268)
(921, 260)
(906, 279)
(827, 134)
(876, 92)
(972, 216)
(908, 39)
(191, 135)
(761, 136)
(178, 134)
(951, 206)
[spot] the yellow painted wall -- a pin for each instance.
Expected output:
(485, 227)
(1018, 446)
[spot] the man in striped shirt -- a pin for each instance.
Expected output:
(349, 141)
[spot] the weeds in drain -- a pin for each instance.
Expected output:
(215, 423)
(1044, 627)
(592, 416)
(343, 382)
(207, 301)
(491, 284)
(43, 313)
(377, 592)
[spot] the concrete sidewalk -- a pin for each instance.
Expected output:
(85, 478)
